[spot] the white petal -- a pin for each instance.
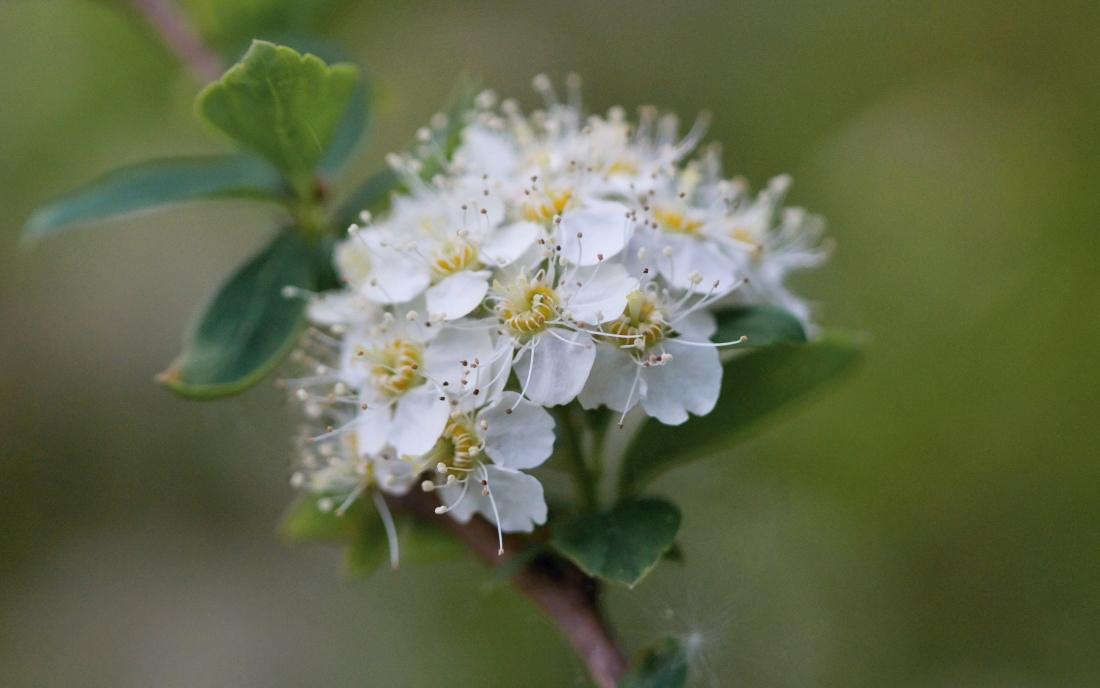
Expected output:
(602, 294)
(697, 326)
(552, 371)
(523, 438)
(519, 500)
(689, 382)
(604, 227)
(487, 152)
(508, 243)
(693, 254)
(372, 428)
(458, 294)
(340, 307)
(518, 496)
(382, 273)
(444, 355)
(395, 476)
(418, 420)
(612, 379)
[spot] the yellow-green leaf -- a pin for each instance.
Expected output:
(281, 105)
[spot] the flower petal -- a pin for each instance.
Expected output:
(508, 243)
(523, 438)
(456, 295)
(552, 371)
(418, 420)
(602, 294)
(604, 227)
(689, 382)
(612, 379)
(518, 496)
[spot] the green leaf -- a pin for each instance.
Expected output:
(422, 542)
(370, 547)
(662, 665)
(304, 521)
(754, 385)
(156, 183)
(281, 105)
(760, 325)
(248, 327)
(418, 542)
(622, 544)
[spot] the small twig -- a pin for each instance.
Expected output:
(565, 594)
(173, 29)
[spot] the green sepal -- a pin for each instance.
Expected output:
(369, 548)
(759, 325)
(305, 521)
(661, 665)
(249, 325)
(622, 544)
(754, 386)
(281, 105)
(419, 541)
(155, 183)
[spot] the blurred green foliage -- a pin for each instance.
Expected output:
(934, 522)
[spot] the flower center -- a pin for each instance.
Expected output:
(394, 367)
(527, 310)
(452, 257)
(641, 325)
(541, 210)
(676, 221)
(456, 449)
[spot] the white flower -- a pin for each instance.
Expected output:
(545, 314)
(658, 354)
(554, 257)
(479, 458)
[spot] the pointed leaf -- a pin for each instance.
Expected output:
(760, 325)
(622, 544)
(156, 183)
(754, 385)
(281, 105)
(662, 665)
(248, 327)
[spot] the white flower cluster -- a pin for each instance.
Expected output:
(555, 258)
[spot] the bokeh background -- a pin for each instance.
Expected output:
(933, 522)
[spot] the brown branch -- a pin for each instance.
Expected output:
(564, 593)
(174, 31)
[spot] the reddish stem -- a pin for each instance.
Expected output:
(173, 29)
(564, 593)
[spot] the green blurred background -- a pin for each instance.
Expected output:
(933, 522)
